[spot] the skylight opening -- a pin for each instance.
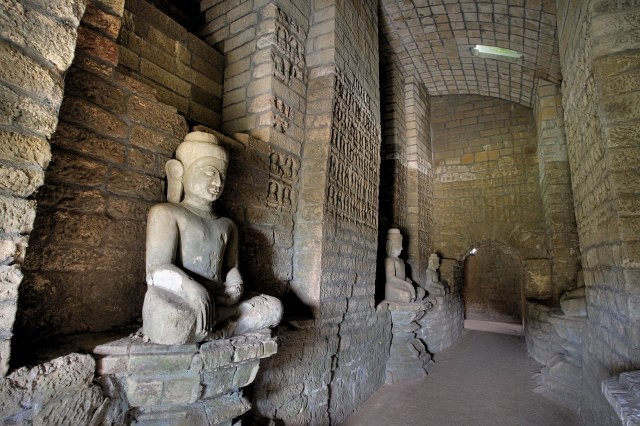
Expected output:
(493, 52)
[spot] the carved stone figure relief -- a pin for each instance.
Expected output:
(355, 155)
(283, 173)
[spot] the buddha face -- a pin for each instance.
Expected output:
(394, 247)
(204, 180)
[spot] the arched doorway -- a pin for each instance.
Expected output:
(493, 288)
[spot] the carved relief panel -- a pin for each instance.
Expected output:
(283, 173)
(354, 160)
(287, 51)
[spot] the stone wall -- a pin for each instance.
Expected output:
(486, 183)
(493, 284)
(555, 185)
(85, 264)
(555, 340)
(185, 72)
(599, 56)
(442, 325)
(37, 48)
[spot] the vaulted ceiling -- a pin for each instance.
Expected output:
(432, 40)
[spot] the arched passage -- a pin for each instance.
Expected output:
(493, 287)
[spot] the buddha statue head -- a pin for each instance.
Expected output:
(199, 169)
(434, 261)
(394, 242)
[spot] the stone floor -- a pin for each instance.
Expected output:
(484, 379)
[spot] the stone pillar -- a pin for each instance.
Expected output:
(555, 187)
(419, 183)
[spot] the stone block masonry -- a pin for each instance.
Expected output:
(442, 324)
(264, 97)
(37, 49)
(419, 177)
(182, 384)
(555, 185)
(184, 70)
(486, 179)
(598, 52)
(60, 391)
(85, 266)
(408, 355)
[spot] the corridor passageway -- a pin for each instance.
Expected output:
(484, 379)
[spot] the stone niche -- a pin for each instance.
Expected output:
(182, 384)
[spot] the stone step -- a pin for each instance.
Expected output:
(623, 393)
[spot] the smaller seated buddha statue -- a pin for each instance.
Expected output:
(398, 287)
(432, 283)
(195, 290)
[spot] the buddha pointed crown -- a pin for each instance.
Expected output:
(197, 145)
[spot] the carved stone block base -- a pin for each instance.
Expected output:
(408, 357)
(184, 384)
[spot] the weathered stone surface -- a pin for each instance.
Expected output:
(408, 356)
(22, 111)
(30, 75)
(76, 109)
(33, 30)
(10, 279)
(22, 149)
(21, 182)
(157, 116)
(442, 325)
(54, 392)
(130, 183)
(217, 353)
(162, 308)
(12, 249)
(16, 215)
(70, 408)
(77, 170)
(146, 138)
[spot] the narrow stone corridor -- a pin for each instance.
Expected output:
(484, 379)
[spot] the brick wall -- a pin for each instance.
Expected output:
(598, 50)
(555, 185)
(85, 264)
(486, 183)
(37, 49)
(493, 285)
(185, 71)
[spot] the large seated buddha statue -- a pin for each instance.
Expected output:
(195, 290)
(398, 287)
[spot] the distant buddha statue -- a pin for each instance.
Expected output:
(432, 283)
(398, 288)
(194, 286)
